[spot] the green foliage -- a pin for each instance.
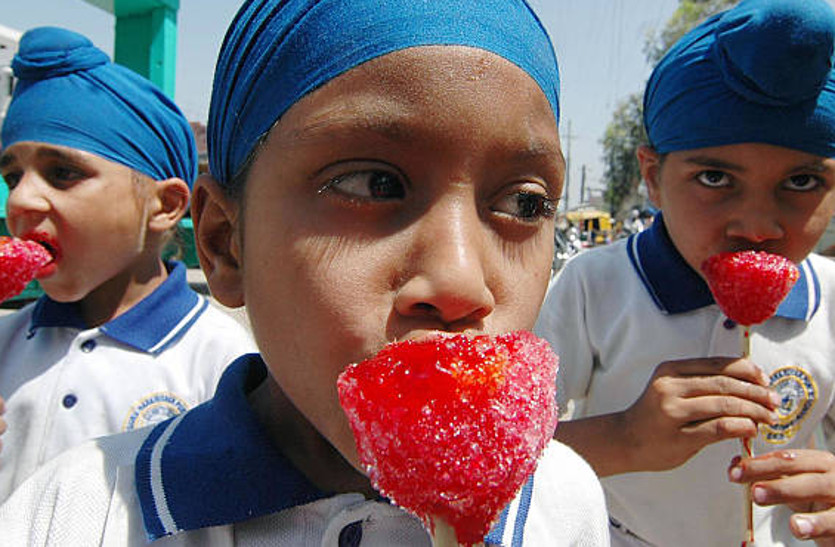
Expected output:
(625, 133)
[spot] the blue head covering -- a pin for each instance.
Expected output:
(277, 51)
(70, 94)
(759, 72)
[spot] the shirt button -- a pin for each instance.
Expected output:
(69, 400)
(729, 324)
(88, 345)
(351, 535)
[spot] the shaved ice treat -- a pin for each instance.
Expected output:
(20, 261)
(451, 427)
(749, 286)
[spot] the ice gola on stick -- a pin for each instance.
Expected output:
(451, 427)
(748, 286)
(20, 261)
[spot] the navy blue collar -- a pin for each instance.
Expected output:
(676, 288)
(150, 326)
(214, 465)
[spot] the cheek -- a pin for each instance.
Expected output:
(518, 282)
(318, 290)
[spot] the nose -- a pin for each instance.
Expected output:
(756, 219)
(446, 266)
(26, 202)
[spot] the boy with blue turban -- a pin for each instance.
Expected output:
(740, 116)
(99, 165)
(379, 171)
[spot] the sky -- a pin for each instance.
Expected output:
(599, 45)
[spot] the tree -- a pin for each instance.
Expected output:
(625, 133)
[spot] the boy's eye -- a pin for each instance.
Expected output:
(713, 179)
(528, 206)
(374, 185)
(60, 175)
(802, 183)
(12, 178)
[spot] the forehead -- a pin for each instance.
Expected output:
(463, 74)
(429, 89)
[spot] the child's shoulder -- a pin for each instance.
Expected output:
(569, 493)
(596, 263)
(610, 253)
(75, 487)
(225, 327)
(824, 266)
(15, 324)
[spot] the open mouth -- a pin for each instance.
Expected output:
(47, 242)
(52, 250)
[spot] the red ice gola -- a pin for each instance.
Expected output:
(20, 260)
(748, 286)
(452, 426)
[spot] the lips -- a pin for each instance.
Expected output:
(49, 243)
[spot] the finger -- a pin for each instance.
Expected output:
(805, 488)
(779, 463)
(713, 407)
(815, 526)
(719, 429)
(741, 369)
(2, 406)
(732, 387)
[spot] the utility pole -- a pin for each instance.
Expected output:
(583, 184)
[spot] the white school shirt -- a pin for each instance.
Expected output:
(614, 313)
(64, 383)
(211, 477)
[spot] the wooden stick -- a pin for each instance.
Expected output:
(443, 535)
(748, 453)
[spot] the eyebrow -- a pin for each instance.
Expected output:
(716, 163)
(48, 153)
(341, 127)
(65, 155)
(397, 132)
(816, 166)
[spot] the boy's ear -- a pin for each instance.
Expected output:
(650, 165)
(215, 218)
(172, 203)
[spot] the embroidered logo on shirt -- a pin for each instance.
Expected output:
(153, 409)
(799, 393)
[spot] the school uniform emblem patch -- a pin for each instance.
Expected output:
(799, 393)
(153, 409)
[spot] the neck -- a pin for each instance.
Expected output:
(303, 445)
(120, 293)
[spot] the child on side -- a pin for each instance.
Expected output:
(741, 121)
(379, 171)
(99, 164)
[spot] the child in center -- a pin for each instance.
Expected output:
(740, 116)
(380, 171)
(99, 163)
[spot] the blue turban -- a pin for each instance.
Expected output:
(70, 94)
(759, 72)
(277, 51)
